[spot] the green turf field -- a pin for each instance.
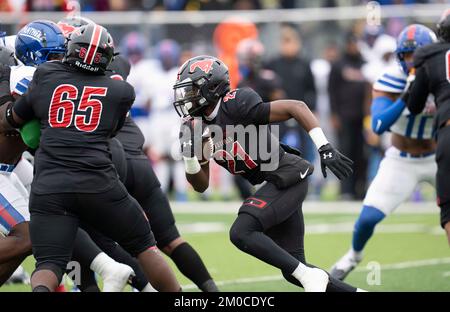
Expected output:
(411, 248)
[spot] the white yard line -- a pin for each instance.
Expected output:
(392, 266)
(318, 228)
(316, 207)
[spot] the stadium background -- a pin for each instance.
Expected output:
(409, 250)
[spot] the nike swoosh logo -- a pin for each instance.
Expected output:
(303, 175)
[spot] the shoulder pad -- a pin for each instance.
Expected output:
(21, 77)
(425, 52)
(392, 80)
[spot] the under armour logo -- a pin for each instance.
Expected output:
(187, 143)
(329, 155)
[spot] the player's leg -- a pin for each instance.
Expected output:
(53, 230)
(116, 252)
(7, 269)
(442, 184)
(114, 275)
(144, 186)
(394, 183)
(266, 209)
(290, 236)
(116, 214)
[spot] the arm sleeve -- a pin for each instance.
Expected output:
(385, 112)
(125, 105)
(418, 92)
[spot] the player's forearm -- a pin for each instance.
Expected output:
(8, 119)
(197, 175)
(283, 110)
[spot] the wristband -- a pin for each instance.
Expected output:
(191, 165)
(318, 137)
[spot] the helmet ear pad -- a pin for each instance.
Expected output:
(213, 95)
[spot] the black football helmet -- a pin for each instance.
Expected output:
(201, 81)
(7, 57)
(71, 22)
(443, 27)
(90, 48)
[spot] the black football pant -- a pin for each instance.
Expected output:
(55, 219)
(443, 173)
(270, 227)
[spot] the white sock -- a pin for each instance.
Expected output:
(100, 263)
(360, 290)
(148, 288)
(300, 271)
(355, 254)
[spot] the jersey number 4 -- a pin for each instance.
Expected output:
(63, 111)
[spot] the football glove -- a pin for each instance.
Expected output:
(191, 137)
(338, 163)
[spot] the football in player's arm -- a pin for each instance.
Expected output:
(269, 225)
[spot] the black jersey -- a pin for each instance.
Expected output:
(244, 154)
(130, 135)
(79, 112)
(432, 63)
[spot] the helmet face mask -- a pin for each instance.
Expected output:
(188, 100)
(201, 82)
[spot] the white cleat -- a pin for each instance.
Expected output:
(315, 280)
(345, 265)
(116, 277)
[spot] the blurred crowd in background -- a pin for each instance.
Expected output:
(177, 5)
(330, 65)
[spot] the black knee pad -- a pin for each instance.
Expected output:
(55, 268)
(138, 244)
(164, 238)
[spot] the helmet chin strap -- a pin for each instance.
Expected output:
(214, 112)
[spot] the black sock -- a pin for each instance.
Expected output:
(139, 281)
(335, 285)
(191, 265)
(84, 249)
(41, 288)
(247, 235)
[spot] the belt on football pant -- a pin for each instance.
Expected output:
(7, 168)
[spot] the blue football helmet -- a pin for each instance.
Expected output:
(37, 40)
(411, 38)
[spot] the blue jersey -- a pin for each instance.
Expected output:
(420, 126)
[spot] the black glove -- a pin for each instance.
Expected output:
(338, 163)
(5, 92)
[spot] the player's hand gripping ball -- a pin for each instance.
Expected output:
(195, 140)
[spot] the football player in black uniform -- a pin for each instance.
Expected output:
(75, 178)
(141, 182)
(270, 223)
(432, 76)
